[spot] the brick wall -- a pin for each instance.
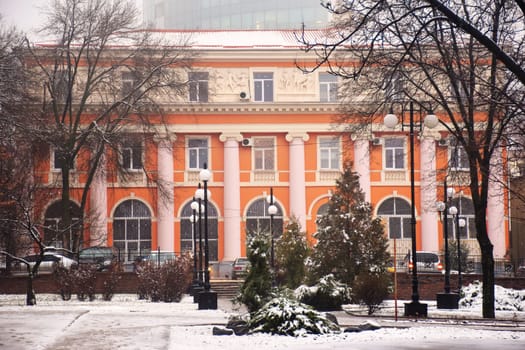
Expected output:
(429, 284)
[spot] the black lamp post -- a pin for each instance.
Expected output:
(199, 194)
(446, 300)
(272, 210)
(193, 219)
(461, 222)
(415, 308)
(207, 298)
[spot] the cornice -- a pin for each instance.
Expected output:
(248, 107)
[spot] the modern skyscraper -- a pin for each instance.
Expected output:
(235, 14)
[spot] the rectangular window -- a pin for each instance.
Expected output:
(58, 160)
(329, 153)
(458, 158)
(263, 87)
(197, 153)
(264, 153)
(129, 82)
(198, 85)
(132, 156)
(394, 153)
(327, 87)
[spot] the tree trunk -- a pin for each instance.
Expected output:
(66, 208)
(30, 293)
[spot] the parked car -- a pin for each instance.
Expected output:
(102, 257)
(426, 262)
(240, 268)
(48, 264)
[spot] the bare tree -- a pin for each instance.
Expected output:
(98, 80)
(405, 50)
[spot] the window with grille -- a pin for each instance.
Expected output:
(132, 229)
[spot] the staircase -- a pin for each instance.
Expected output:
(226, 288)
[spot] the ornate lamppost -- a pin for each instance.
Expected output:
(199, 195)
(461, 222)
(446, 300)
(272, 210)
(415, 308)
(193, 219)
(207, 298)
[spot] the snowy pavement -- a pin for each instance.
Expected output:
(128, 323)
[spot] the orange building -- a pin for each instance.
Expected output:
(260, 124)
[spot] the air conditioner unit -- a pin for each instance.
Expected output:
(247, 142)
(244, 96)
(443, 142)
(377, 141)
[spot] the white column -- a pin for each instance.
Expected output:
(362, 162)
(232, 196)
(165, 196)
(428, 186)
(99, 206)
(496, 206)
(297, 180)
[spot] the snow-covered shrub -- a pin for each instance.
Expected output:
(64, 281)
(166, 282)
(288, 317)
(85, 279)
(505, 299)
(371, 289)
(110, 283)
(327, 294)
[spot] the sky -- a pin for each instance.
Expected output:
(26, 14)
(127, 323)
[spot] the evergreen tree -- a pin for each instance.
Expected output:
(257, 286)
(350, 242)
(291, 252)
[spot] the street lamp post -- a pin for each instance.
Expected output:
(198, 288)
(415, 308)
(461, 222)
(272, 210)
(446, 300)
(207, 298)
(193, 219)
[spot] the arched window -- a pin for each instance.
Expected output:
(186, 238)
(396, 213)
(465, 210)
(323, 210)
(55, 231)
(132, 229)
(258, 219)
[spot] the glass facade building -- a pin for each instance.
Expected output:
(235, 14)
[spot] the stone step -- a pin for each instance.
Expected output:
(226, 288)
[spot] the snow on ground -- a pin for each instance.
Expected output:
(128, 323)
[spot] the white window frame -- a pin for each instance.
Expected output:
(387, 149)
(458, 158)
(260, 83)
(131, 147)
(197, 149)
(197, 85)
(265, 151)
(328, 87)
(329, 150)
